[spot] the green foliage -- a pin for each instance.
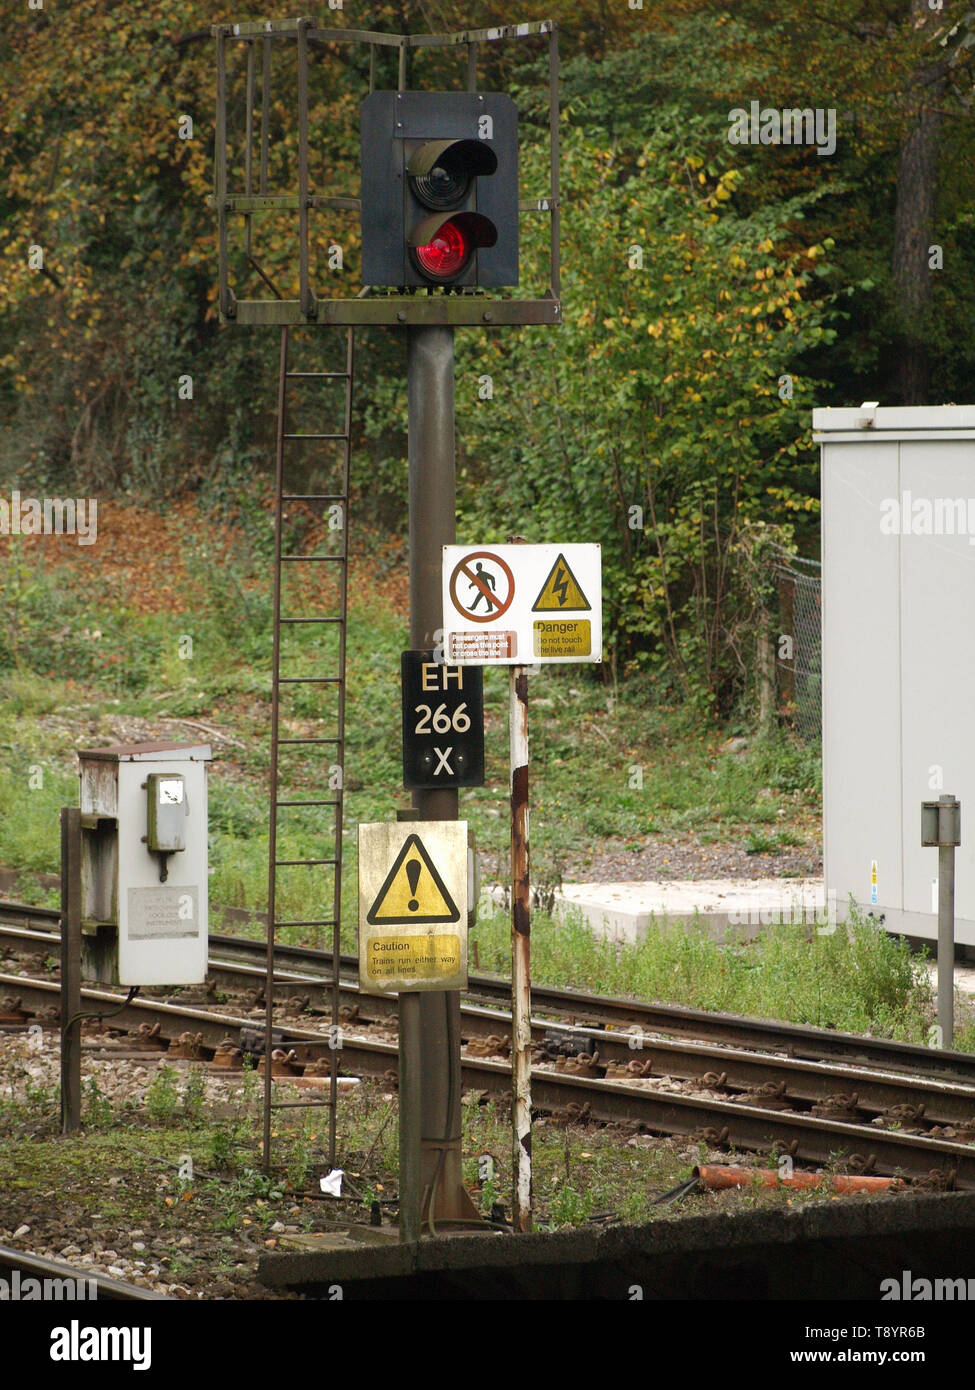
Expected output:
(162, 1094)
(571, 1208)
(660, 391)
(96, 1107)
(194, 1094)
(29, 835)
(855, 979)
(222, 1146)
(652, 421)
(251, 1184)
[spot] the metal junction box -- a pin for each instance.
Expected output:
(144, 863)
(898, 528)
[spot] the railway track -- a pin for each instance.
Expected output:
(29, 1277)
(302, 968)
(887, 1122)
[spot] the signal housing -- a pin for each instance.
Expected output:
(433, 158)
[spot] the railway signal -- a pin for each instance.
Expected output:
(439, 189)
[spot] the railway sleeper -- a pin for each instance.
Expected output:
(12, 1010)
(768, 1095)
(573, 1114)
(583, 1064)
(150, 1035)
(228, 1056)
(907, 1118)
(838, 1107)
(188, 1045)
(494, 1045)
(627, 1071)
(962, 1134)
(282, 1063)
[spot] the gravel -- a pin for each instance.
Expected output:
(64, 1223)
(691, 858)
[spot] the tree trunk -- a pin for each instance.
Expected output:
(913, 224)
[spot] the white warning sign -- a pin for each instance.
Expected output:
(510, 605)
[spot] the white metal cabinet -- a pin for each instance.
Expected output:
(161, 922)
(898, 525)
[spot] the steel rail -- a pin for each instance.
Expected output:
(803, 1081)
(807, 1137)
(796, 1040)
(43, 1267)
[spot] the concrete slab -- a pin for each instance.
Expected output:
(730, 908)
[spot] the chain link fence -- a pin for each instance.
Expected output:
(799, 644)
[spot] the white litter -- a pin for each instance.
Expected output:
(332, 1184)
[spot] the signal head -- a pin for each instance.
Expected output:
(439, 189)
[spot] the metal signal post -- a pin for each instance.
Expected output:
(438, 213)
(431, 1189)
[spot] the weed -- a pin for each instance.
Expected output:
(195, 1094)
(489, 1195)
(96, 1106)
(162, 1094)
(761, 844)
(299, 1159)
(252, 1185)
(222, 1146)
(856, 978)
(569, 1207)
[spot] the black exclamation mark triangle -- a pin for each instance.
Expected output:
(428, 899)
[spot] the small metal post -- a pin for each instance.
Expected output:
(941, 826)
(70, 969)
(946, 943)
(521, 1071)
(306, 298)
(472, 67)
(249, 146)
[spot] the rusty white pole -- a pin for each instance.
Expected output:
(521, 1060)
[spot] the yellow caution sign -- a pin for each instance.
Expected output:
(421, 957)
(413, 891)
(561, 591)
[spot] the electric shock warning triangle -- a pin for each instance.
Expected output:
(413, 890)
(561, 591)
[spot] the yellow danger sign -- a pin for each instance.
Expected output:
(554, 639)
(421, 957)
(413, 891)
(560, 591)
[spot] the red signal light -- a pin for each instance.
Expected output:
(442, 247)
(446, 253)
